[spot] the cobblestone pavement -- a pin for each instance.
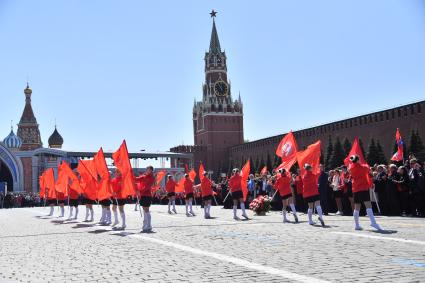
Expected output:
(36, 248)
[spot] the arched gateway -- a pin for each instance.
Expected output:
(11, 170)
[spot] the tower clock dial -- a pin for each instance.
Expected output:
(221, 88)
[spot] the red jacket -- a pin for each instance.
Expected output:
(188, 186)
(235, 183)
(359, 177)
(170, 187)
(283, 185)
(73, 194)
(311, 188)
(299, 185)
(116, 184)
(206, 189)
(146, 182)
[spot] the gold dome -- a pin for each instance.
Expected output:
(27, 90)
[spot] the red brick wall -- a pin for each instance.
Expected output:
(379, 125)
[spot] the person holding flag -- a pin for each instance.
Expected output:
(361, 184)
(235, 184)
(170, 187)
(399, 155)
(283, 185)
(207, 194)
(120, 200)
(144, 195)
(309, 162)
(188, 190)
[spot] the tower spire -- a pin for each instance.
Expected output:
(214, 42)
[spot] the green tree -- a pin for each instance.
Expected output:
(416, 145)
(347, 146)
(372, 153)
(381, 159)
(338, 155)
(329, 152)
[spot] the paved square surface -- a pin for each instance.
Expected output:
(35, 248)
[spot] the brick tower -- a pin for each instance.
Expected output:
(217, 118)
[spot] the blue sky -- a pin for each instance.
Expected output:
(108, 70)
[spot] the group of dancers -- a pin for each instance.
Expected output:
(359, 175)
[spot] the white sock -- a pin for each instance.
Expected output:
(190, 205)
(205, 210)
(70, 211)
(310, 215)
(108, 215)
(243, 208)
(174, 205)
(116, 216)
(209, 209)
(76, 212)
(319, 211)
(87, 213)
(62, 211)
(52, 209)
(102, 218)
(356, 218)
(145, 219)
(373, 223)
(91, 214)
(293, 209)
(235, 210)
(149, 223)
(284, 214)
(187, 207)
(169, 205)
(122, 218)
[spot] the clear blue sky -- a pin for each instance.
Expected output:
(108, 70)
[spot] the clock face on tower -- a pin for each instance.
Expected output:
(221, 88)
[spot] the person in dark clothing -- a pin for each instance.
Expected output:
(392, 193)
(323, 189)
(417, 187)
(402, 182)
(380, 181)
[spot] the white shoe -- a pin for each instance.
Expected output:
(311, 223)
(376, 226)
(169, 212)
(236, 218)
(286, 221)
(338, 213)
(358, 228)
(175, 211)
(115, 223)
(245, 216)
(193, 214)
(188, 214)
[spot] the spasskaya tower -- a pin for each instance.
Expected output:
(218, 117)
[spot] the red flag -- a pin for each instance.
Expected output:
(311, 156)
(122, 162)
(42, 186)
(186, 169)
(61, 185)
(88, 180)
(75, 184)
(355, 150)
(104, 189)
(263, 171)
(287, 151)
(399, 155)
(244, 182)
(49, 179)
(180, 184)
(201, 172)
(159, 176)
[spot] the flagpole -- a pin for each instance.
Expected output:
(228, 193)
